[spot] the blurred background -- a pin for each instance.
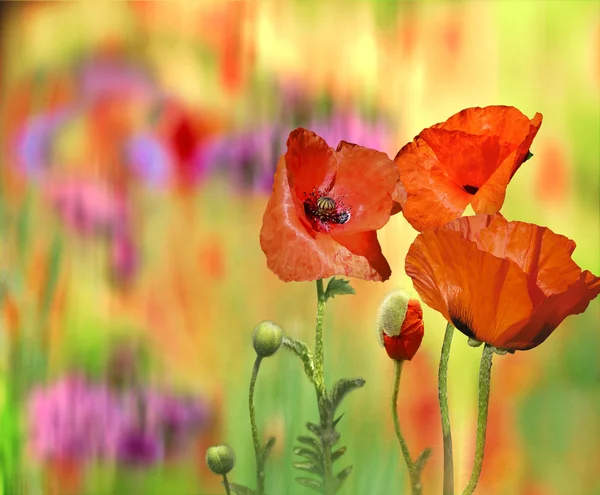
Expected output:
(139, 141)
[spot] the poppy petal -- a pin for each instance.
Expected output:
(365, 245)
(479, 293)
(295, 253)
(365, 180)
(432, 197)
(470, 158)
(490, 197)
(311, 164)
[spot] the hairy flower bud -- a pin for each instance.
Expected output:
(400, 325)
(267, 338)
(220, 459)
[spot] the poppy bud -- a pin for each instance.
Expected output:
(220, 459)
(400, 327)
(267, 338)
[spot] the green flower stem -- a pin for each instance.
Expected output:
(485, 372)
(226, 483)
(443, 400)
(321, 390)
(260, 471)
(415, 482)
(319, 354)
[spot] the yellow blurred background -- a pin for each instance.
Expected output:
(163, 121)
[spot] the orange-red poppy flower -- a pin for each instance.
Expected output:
(400, 328)
(469, 159)
(509, 284)
(326, 207)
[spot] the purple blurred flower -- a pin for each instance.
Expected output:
(139, 448)
(249, 158)
(75, 418)
(85, 206)
(124, 262)
(149, 159)
(33, 143)
(99, 78)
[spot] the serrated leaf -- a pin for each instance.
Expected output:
(309, 454)
(335, 423)
(309, 466)
(310, 441)
(337, 454)
(342, 476)
(314, 429)
(332, 437)
(303, 352)
(240, 489)
(310, 483)
(267, 448)
(338, 287)
(343, 388)
(422, 460)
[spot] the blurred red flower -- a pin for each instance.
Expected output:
(509, 284)
(469, 159)
(325, 210)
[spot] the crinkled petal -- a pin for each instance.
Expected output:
(432, 197)
(365, 181)
(366, 246)
(311, 164)
(482, 295)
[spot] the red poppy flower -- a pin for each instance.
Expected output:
(326, 207)
(509, 284)
(401, 326)
(469, 159)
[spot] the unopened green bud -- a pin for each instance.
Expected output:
(267, 338)
(220, 459)
(392, 313)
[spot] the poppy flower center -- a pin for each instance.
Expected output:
(471, 189)
(324, 211)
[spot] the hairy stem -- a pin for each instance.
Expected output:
(321, 391)
(226, 483)
(260, 470)
(443, 400)
(412, 471)
(485, 372)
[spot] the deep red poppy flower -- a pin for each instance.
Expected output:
(401, 326)
(326, 207)
(469, 159)
(509, 284)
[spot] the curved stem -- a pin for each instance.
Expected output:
(412, 471)
(260, 471)
(485, 373)
(226, 483)
(443, 400)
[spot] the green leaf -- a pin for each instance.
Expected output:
(343, 388)
(335, 423)
(527, 156)
(240, 489)
(310, 441)
(331, 437)
(342, 475)
(316, 485)
(267, 449)
(309, 454)
(309, 466)
(303, 352)
(315, 429)
(337, 454)
(338, 287)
